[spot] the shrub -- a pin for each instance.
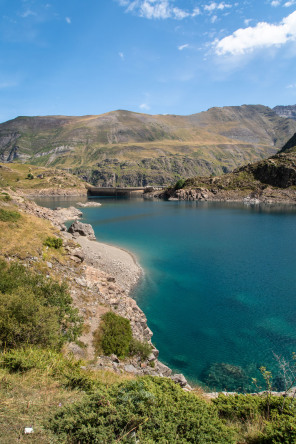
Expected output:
(53, 242)
(146, 410)
(114, 335)
(26, 320)
(5, 197)
(9, 216)
(30, 176)
(179, 184)
(142, 349)
(30, 302)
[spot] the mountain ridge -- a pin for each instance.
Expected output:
(126, 148)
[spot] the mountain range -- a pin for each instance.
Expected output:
(133, 149)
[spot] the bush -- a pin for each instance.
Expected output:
(114, 335)
(9, 216)
(142, 349)
(53, 242)
(5, 197)
(35, 310)
(180, 184)
(145, 410)
(26, 320)
(30, 176)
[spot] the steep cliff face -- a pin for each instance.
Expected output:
(125, 148)
(286, 111)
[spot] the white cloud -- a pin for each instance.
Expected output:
(144, 106)
(121, 55)
(196, 11)
(292, 86)
(155, 9)
(181, 47)
(275, 3)
(247, 21)
(213, 6)
(290, 3)
(214, 18)
(262, 35)
(68, 20)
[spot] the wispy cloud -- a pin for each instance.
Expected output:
(121, 55)
(144, 106)
(291, 86)
(275, 3)
(262, 35)
(181, 47)
(28, 13)
(157, 9)
(289, 3)
(216, 6)
(68, 20)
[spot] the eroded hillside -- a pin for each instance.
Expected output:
(125, 148)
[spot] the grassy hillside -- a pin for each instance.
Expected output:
(125, 148)
(32, 179)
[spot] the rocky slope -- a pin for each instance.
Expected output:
(99, 278)
(125, 148)
(271, 180)
(286, 111)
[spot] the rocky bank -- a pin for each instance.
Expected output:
(100, 278)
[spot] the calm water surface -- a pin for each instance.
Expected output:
(219, 285)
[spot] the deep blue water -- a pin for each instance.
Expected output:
(219, 284)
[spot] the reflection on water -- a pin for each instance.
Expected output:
(219, 284)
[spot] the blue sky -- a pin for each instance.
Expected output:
(156, 56)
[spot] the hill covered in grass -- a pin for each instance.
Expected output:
(35, 180)
(126, 148)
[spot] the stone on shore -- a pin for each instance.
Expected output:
(80, 229)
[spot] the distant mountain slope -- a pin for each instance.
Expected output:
(126, 148)
(286, 111)
(270, 180)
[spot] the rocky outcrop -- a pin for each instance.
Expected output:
(288, 111)
(80, 229)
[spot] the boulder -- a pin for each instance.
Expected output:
(179, 379)
(163, 369)
(82, 229)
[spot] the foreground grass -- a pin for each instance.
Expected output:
(35, 384)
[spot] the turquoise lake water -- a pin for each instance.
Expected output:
(219, 289)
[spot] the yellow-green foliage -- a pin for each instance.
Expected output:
(34, 309)
(9, 215)
(53, 242)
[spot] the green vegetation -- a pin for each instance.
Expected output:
(147, 410)
(180, 184)
(114, 335)
(4, 197)
(142, 349)
(9, 216)
(53, 242)
(34, 309)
